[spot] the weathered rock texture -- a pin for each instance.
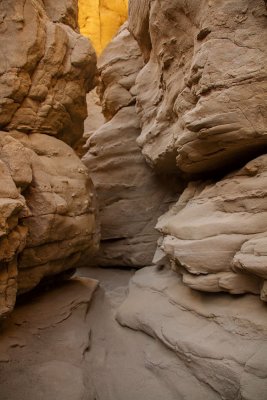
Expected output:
(45, 71)
(99, 20)
(131, 197)
(201, 97)
(202, 93)
(48, 212)
(47, 205)
(65, 11)
(62, 228)
(216, 233)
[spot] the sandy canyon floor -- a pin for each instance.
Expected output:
(65, 344)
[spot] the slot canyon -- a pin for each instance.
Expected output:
(133, 205)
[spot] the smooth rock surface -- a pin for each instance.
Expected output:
(80, 352)
(43, 344)
(182, 345)
(220, 340)
(94, 120)
(131, 197)
(131, 364)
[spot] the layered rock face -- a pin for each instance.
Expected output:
(130, 195)
(216, 232)
(202, 93)
(47, 198)
(99, 20)
(201, 97)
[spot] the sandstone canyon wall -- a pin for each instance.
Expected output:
(201, 98)
(99, 20)
(183, 92)
(48, 213)
(202, 93)
(131, 197)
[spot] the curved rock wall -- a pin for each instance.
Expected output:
(216, 232)
(202, 93)
(47, 203)
(131, 197)
(201, 98)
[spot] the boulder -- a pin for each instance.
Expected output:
(48, 213)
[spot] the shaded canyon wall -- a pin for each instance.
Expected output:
(201, 99)
(131, 196)
(47, 202)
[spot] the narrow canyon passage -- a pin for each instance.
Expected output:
(133, 187)
(75, 350)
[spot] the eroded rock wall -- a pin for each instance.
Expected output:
(202, 93)
(46, 70)
(216, 233)
(48, 210)
(201, 98)
(131, 197)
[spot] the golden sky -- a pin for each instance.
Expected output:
(100, 19)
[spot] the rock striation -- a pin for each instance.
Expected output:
(202, 115)
(131, 197)
(216, 232)
(201, 95)
(201, 98)
(47, 204)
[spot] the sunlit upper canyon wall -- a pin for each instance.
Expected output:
(99, 20)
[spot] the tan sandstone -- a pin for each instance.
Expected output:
(47, 204)
(216, 232)
(45, 73)
(201, 95)
(131, 197)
